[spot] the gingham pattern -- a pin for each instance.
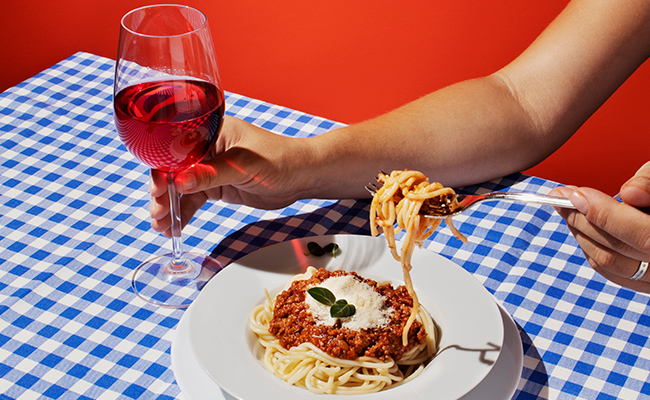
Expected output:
(74, 224)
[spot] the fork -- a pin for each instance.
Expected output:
(446, 209)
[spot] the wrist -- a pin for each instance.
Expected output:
(336, 166)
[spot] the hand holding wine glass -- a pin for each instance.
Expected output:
(168, 106)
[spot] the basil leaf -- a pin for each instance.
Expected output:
(342, 309)
(322, 296)
(315, 249)
(332, 249)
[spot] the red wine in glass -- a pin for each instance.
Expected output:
(169, 125)
(168, 108)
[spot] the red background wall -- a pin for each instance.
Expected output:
(349, 60)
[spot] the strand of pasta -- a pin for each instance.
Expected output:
(399, 201)
(309, 367)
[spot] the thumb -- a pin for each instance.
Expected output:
(229, 168)
(199, 177)
(636, 191)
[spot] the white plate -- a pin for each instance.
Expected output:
(471, 324)
(500, 383)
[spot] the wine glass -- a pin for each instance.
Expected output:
(168, 108)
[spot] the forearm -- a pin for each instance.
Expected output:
(466, 133)
(489, 127)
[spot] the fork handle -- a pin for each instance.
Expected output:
(554, 201)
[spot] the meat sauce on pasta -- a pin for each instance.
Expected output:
(293, 323)
(333, 358)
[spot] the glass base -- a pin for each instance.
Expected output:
(159, 282)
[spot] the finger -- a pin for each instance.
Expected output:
(617, 225)
(612, 265)
(563, 191)
(237, 158)
(206, 175)
(636, 191)
(157, 183)
(202, 176)
(603, 259)
(235, 167)
(607, 243)
(190, 204)
(641, 285)
(566, 192)
(162, 225)
(159, 206)
(578, 222)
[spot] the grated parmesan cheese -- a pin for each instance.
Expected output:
(370, 309)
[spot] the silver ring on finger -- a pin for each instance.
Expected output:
(643, 267)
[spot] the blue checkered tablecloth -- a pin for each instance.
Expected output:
(74, 224)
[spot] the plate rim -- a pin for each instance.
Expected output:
(247, 269)
(195, 384)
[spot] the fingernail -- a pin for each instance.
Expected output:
(188, 182)
(580, 202)
(564, 190)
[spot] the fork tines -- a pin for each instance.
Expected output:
(372, 188)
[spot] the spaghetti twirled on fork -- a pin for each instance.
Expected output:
(399, 200)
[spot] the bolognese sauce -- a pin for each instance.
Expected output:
(293, 322)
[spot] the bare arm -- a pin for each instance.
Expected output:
(467, 133)
(489, 127)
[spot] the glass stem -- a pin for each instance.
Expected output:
(178, 260)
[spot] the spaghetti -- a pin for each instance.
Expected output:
(335, 359)
(339, 360)
(400, 200)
